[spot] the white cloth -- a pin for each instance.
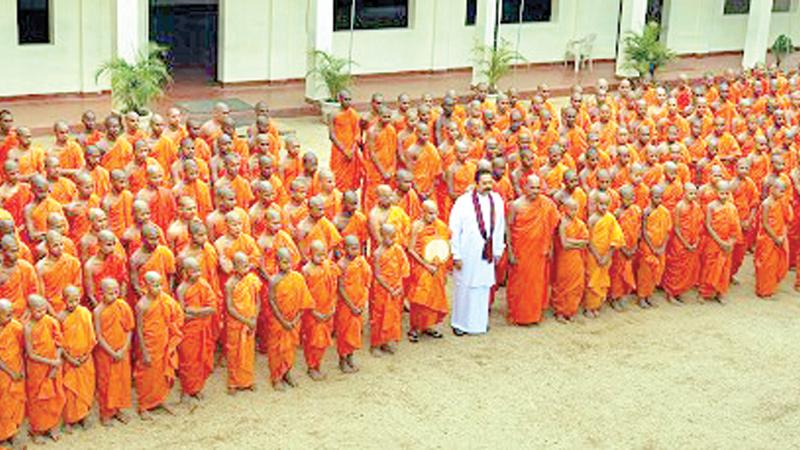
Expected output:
(476, 277)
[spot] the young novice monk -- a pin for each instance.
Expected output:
(427, 294)
(79, 373)
(196, 350)
(390, 267)
(354, 282)
(44, 380)
(570, 263)
(113, 326)
(771, 259)
(722, 231)
(288, 298)
(159, 319)
(12, 373)
(322, 276)
(242, 302)
(605, 236)
(682, 262)
(629, 217)
(656, 228)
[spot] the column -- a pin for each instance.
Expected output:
(130, 17)
(756, 40)
(320, 38)
(485, 23)
(631, 21)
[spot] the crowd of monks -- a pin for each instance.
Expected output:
(132, 257)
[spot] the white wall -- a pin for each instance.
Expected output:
(81, 41)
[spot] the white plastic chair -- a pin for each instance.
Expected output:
(573, 53)
(586, 48)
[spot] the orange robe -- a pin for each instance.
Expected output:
(198, 191)
(115, 266)
(746, 197)
(463, 178)
(15, 204)
(682, 267)
(137, 175)
(64, 272)
(649, 265)
(772, 261)
(165, 151)
(323, 231)
(79, 382)
(163, 208)
(196, 350)
(161, 330)
(12, 393)
(79, 223)
(347, 131)
(161, 261)
(322, 283)
(570, 270)
(532, 233)
(427, 296)
(292, 297)
(40, 212)
(114, 377)
(63, 190)
(715, 269)
(22, 282)
(355, 282)
(426, 169)
(605, 235)
(385, 150)
(120, 213)
(118, 156)
(357, 226)
(45, 393)
(386, 310)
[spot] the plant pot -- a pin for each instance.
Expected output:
(492, 98)
(328, 109)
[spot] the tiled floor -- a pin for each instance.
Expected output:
(288, 100)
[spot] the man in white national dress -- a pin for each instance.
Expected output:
(477, 224)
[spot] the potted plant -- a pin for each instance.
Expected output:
(135, 85)
(644, 52)
(494, 62)
(782, 48)
(335, 74)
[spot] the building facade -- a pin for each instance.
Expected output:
(56, 46)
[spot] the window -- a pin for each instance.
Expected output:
(33, 21)
(370, 14)
(743, 6)
(532, 11)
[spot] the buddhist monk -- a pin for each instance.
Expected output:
(771, 258)
(427, 296)
(196, 350)
(233, 241)
(212, 128)
(345, 134)
(29, 156)
(12, 373)
(385, 212)
(108, 262)
(18, 278)
(62, 189)
(296, 209)
(288, 298)
(351, 221)
(243, 301)
(458, 177)
(390, 267)
(151, 256)
(14, 194)
(118, 204)
(178, 231)
(380, 157)
(36, 213)
(316, 227)
(58, 270)
(722, 231)
(407, 198)
(78, 345)
(159, 319)
(605, 237)
(226, 202)
(316, 326)
(569, 263)
(746, 197)
(650, 259)
(162, 148)
(90, 135)
(531, 224)
(113, 324)
(682, 262)
(117, 150)
(424, 163)
(353, 290)
(44, 378)
(192, 186)
(89, 242)
(77, 210)
(158, 198)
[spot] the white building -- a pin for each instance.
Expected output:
(55, 46)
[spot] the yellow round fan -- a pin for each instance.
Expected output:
(437, 250)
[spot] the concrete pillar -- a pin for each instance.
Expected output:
(756, 40)
(320, 38)
(631, 21)
(485, 23)
(130, 35)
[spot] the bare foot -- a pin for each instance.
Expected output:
(351, 362)
(643, 303)
(734, 281)
(315, 375)
(343, 367)
(560, 318)
(167, 409)
(199, 396)
(390, 348)
(289, 379)
(106, 421)
(587, 313)
(145, 415)
(651, 302)
(67, 429)
(721, 300)
(279, 386)
(36, 439)
(252, 388)
(54, 434)
(375, 351)
(122, 417)
(231, 391)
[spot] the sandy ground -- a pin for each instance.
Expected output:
(696, 376)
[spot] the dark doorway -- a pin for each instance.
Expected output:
(189, 29)
(655, 11)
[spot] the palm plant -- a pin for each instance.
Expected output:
(644, 52)
(334, 72)
(781, 48)
(135, 85)
(495, 62)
